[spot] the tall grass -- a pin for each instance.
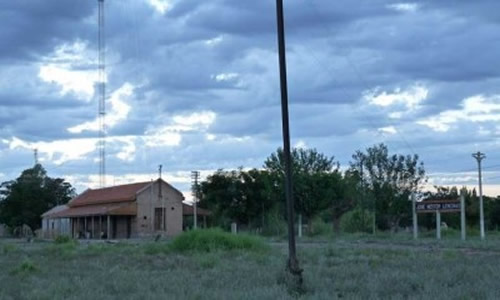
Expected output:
(208, 240)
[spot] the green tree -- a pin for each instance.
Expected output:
(391, 179)
(494, 214)
(241, 196)
(24, 200)
(316, 179)
(348, 195)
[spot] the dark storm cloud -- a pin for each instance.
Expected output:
(31, 29)
(221, 56)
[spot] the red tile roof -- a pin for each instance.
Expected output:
(114, 209)
(114, 194)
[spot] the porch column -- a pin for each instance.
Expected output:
(100, 227)
(109, 227)
(85, 227)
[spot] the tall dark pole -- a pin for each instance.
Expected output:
(293, 263)
(479, 157)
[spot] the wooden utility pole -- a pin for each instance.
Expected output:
(293, 263)
(479, 157)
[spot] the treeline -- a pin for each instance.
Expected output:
(372, 193)
(25, 199)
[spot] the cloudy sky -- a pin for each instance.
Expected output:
(193, 85)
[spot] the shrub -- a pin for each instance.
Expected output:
(62, 239)
(26, 267)
(208, 240)
(320, 227)
(274, 224)
(353, 221)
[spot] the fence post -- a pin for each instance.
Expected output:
(438, 224)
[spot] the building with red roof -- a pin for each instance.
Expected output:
(123, 211)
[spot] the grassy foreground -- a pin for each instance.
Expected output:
(347, 268)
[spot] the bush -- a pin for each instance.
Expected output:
(320, 227)
(62, 239)
(274, 224)
(208, 240)
(353, 221)
(26, 267)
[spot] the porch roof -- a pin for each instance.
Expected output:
(118, 209)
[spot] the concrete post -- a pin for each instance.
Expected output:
(438, 224)
(195, 215)
(300, 226)
(415, 220)
(234, 228)
(109, 227)
(462, 214)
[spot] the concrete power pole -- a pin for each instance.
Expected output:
(195, 175)
(479, 157)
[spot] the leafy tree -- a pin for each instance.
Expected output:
(24, 200)
(241, 196)
(316, 179)
(349, 193)
(391, 178)
(494, 214)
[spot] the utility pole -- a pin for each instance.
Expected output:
(362, 197)
(479, 157)
(293, 263)
(414, 215)
(195, 175)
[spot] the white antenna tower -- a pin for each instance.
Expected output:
(102, 97)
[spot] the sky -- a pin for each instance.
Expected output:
(194, 85)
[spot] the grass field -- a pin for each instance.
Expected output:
(348, 267)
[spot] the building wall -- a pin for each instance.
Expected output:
(170, 201)
(121, 226)
(55, 227)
